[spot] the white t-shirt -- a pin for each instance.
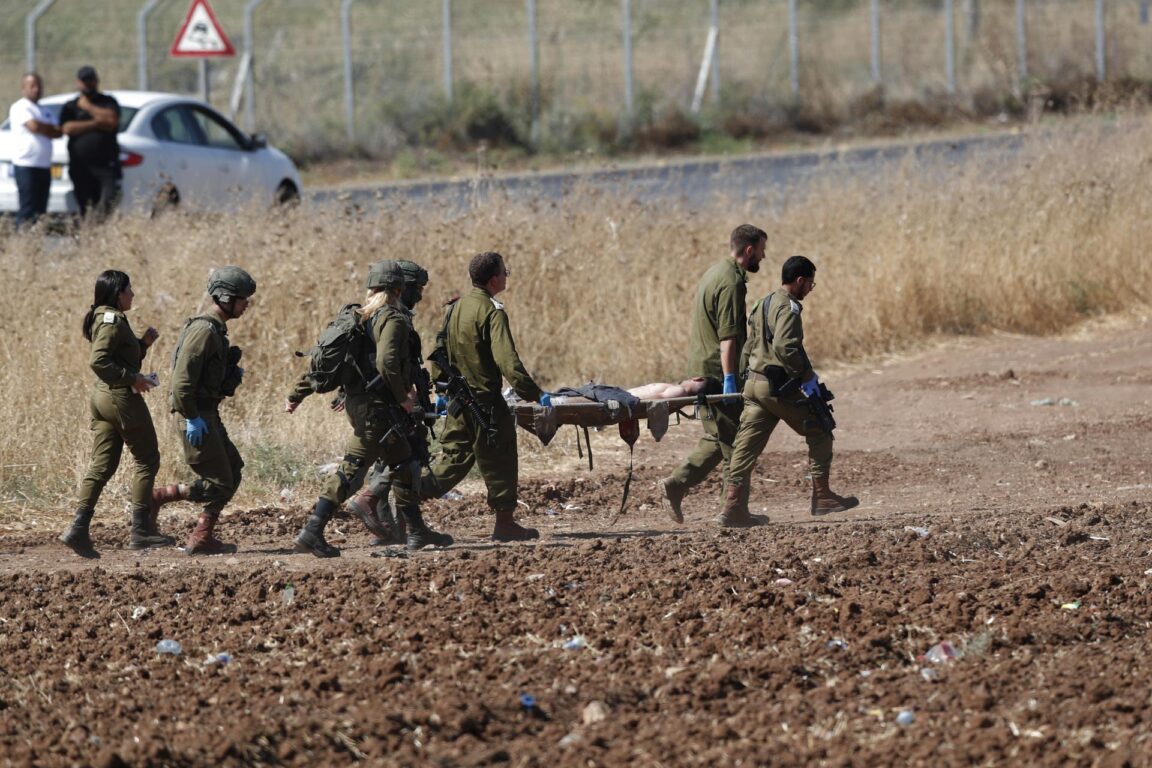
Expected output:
(30, 150)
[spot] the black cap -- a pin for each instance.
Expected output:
(86, 73)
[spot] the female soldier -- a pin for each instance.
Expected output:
(119, 415)
(376, 402)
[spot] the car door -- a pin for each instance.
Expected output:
(202, 156)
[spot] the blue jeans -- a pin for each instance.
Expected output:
(32, 185)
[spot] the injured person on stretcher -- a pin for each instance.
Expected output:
(687, 388)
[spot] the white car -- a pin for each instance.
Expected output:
(175, 150)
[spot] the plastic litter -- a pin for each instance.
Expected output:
(169, 646)
(837, 644)
(138, 612)
(919, 531)
(940, 653)
(289, 594)
(453, 496)
(783, 582)
(906, 717)
(576, 643)
(1044, 401)
(1072, 606)
(929, 674)
(218, 658)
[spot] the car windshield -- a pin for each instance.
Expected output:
(126, 115)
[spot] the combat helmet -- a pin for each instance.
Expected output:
(414, 274)
(228, 283)
(385, 274)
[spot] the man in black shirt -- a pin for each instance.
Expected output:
(90, 122)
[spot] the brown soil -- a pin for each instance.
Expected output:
(1017, 532)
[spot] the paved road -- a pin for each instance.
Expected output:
(696, 181)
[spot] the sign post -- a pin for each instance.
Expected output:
(201, 37)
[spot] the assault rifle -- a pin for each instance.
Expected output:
(405, 426)
(455, 387)
(820, 409)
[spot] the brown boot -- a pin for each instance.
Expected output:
(674, 494)
(825, 502)
(202, 541)
(507, 529)
(161, 495)
(736, 514)
(363, 505)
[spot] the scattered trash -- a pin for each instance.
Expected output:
(906, 717)
(169, 646)
(452, 496)
(576, 643)
(527, 701)
(289, 594)
(138, 612)
(1044, 401)
(551, 512)
(1072, 606)
(784, 582)
(572, 508)
(1067, 401)
(919, 531)
(929, 674)
(573, 585)
(1097, 538)
(594, 712)
(218, 658)
(940, 653)
(837, 643)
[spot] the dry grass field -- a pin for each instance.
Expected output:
(600, 287)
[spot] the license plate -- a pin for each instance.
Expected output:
(57, 171)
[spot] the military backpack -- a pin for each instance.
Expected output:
(337, 359)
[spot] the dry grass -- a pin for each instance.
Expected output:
(601, 288)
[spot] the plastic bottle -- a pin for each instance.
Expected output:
(169, 646)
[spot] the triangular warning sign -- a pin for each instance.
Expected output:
(201, 34)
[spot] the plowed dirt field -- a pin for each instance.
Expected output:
(1014, 531)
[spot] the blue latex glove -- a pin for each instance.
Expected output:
(546, 400)
(730, 384)
(441, 404)
(194, 430)
(811, 388)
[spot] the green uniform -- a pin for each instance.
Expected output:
(480, 344)
(770, 365)
(119, 415)
(371, 411)
(718, 314)
(198, 371)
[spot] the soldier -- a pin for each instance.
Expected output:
(119, 415)
(779, 377)
(719, 327)
(371, 503)
(378, 410)
(479, 343)
(205, 370)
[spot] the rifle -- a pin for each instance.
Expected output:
(406, 426)
(455, 387)
(820, 409)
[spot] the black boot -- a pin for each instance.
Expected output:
(76, 537)
(311, 538)
(419, 534)
(144, 535)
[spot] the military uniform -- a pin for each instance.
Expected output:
(776, 360)
(480, 344)
(199, 366)
(718, 313)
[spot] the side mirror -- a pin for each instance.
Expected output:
(257, 141)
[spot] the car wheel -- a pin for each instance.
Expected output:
(286, 194)
(167, 199)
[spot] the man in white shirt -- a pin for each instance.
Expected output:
(32, 132)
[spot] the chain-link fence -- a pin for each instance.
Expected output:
(376, 76)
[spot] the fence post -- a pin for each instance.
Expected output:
(534, 58)
(1101, 71)
(346, 33)
(446, 41)
(30, 32)
(142, 43)
(950, 44)
(249, 80)
(874, 14)
(716, 53)
(1021, 42)
(793, 50)
(629, 103)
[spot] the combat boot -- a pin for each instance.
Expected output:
(825, 502)
(736, 514)
(419, 534)
(393, 522)
(162, 495)
(507, 529)
(363, 504)
(311, 538)
(674, 493)
(203, 541)
(76, 537)
(144, 533)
